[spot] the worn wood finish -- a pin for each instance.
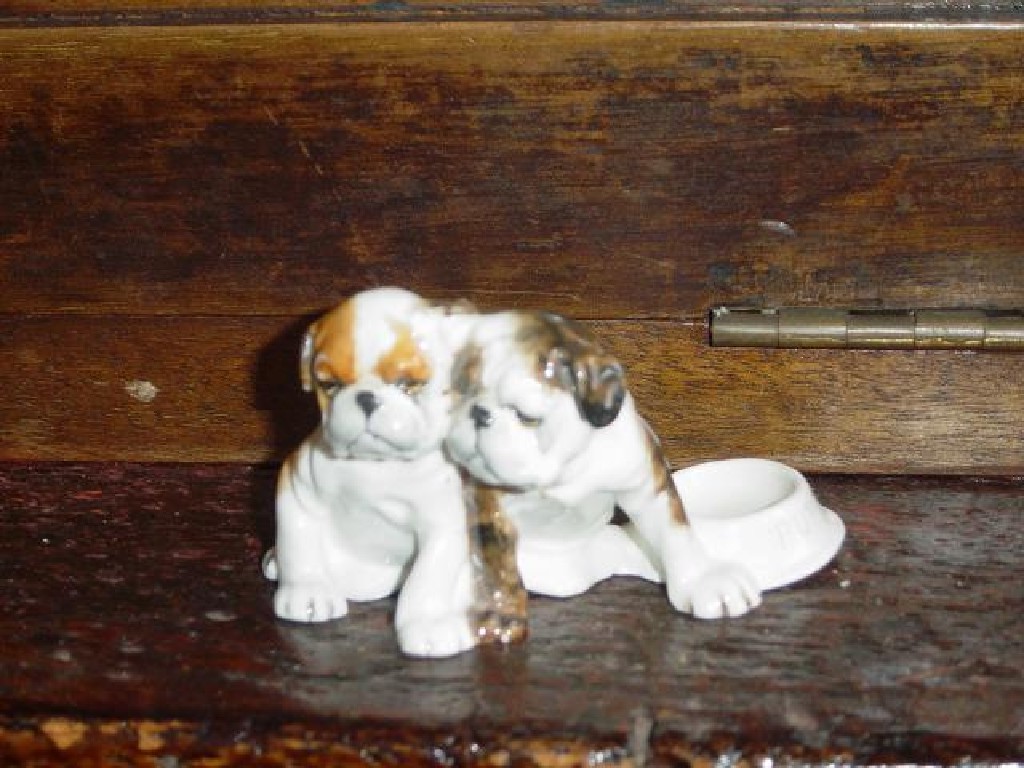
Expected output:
(53, 13)
(184, 183)
(227, 389)
(137, 626)
(638, 169)
(61, 741)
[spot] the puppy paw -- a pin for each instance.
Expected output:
(309, 603)
(436, 636)
(724, 589)
(269, 564)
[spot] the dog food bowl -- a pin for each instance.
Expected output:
(760, 514)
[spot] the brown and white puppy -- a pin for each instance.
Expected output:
(368, 504)
(545, 421)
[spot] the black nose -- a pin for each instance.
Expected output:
(367, 402)
(481, 416)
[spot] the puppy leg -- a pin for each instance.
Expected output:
(696, 584)
(432, 617)
(305, 591)
(500, 604)
(721, 590)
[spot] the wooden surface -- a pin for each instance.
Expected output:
(227, 389)
(55, 13)
(185, 183)
(176, 203)
(137, 626)
(638, 169)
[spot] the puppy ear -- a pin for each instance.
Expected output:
(306, 358)
(595, 380)
(575, 361)
(600, 388)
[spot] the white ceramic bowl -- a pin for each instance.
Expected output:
(761, 514)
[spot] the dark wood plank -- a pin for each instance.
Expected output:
(637, 170)
(137, 626)
(226, 389)
(163, 389)
(63, 13)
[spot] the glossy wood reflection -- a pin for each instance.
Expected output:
(905, 649)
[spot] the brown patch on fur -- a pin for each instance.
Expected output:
(334, 345)
(468, 371)
(500, 604)
(539, 333)
(288, 469)
(566, 355)
(661, 473)
(675, 504)
(405, 360)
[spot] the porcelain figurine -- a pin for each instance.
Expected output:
(499, 613)
(546, 426)
(368, 505)
(463, 458)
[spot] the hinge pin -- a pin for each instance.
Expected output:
(835, 328)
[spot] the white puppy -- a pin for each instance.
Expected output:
(546, 425)
(368, 504)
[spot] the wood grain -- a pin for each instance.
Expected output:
(63, 13)
(227, 389)
(185, 183)
(630, 170)
(905, 650)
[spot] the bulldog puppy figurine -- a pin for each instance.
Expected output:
(368, 503)
(546, 425)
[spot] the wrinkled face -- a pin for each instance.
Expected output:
(528, 403)
(371, 362)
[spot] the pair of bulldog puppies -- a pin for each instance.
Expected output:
(460, 452)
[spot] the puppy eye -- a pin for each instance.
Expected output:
(329, 387)
(408, 385)
(525, 420)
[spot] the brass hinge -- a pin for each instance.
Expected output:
(816, 327)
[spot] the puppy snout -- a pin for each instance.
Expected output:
(481, 416)
(367, 402)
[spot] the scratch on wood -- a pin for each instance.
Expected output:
(309, 156)
(143, 391)
(778, 227)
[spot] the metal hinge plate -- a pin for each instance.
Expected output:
(834, 328)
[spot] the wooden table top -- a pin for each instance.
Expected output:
(138, 627)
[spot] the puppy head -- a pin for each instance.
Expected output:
(532, 390)
(372, 362)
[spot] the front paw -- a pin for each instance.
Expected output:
(436, 636)
(309, 603)
(724, 589)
